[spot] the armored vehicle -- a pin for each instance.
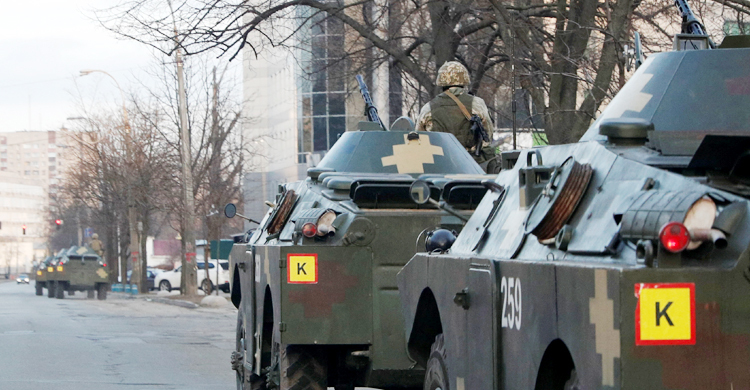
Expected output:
(41, 275)
(619, 262)
(316, 283)
(50, 275)
(81, 269)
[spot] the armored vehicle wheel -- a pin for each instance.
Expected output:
(101, 291)
(60, 290)
(207, 286)
(39, 289)
(245, 380)
(50, 289)
(302, 366)
(165, 286)
(436, 372)
(90, 294)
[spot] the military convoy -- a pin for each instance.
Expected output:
(618, 262)
(77, 268)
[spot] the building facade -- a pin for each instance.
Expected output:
(32, 165)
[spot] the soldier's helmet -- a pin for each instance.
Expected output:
(95, 236)
(453, 74)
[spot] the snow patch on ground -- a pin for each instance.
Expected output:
(214, 301)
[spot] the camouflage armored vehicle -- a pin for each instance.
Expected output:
(41, 275)
(316, 283)
(619, 262)
(50, 275)
(81, 269)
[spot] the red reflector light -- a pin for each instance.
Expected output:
(309, 230)
(104, 265)
(674, 237)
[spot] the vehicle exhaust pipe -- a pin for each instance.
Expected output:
(715, 236)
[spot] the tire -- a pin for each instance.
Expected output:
(101, 291)
(90, 294)
(207, 286)
(71, 293)
(245, 380)
(165, 286)
(436, 373)
(50, 289)
(302, 367)
(60, 290)
(39, 289)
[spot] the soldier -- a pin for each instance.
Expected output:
(444, 114)
(96, 245)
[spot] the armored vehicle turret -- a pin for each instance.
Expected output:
(619, 262)
(316, 283)
(79, 268)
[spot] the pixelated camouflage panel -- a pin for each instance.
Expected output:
(686, 91)
(392, 152)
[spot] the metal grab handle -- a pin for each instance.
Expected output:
(538, 155)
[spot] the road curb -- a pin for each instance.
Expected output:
(173, 302)
(166, 301)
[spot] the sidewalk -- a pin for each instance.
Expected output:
(172, 299)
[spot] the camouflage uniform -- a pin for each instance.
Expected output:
(443, 114)
(96, 245)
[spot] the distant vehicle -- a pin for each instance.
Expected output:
(169, 280)
(79, 269)
(150, 276)
(22, 278)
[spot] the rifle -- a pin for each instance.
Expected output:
(480, 134)
(690, 24)
(370, 111)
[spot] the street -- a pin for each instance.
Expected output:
(77, 343)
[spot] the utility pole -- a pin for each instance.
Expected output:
(188, 220)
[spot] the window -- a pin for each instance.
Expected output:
(323, 86)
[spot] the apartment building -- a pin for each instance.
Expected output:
(32, 164)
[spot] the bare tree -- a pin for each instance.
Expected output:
(568, 53)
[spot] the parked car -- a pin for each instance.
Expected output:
(168, 280)
(150, 277)
(23, 278)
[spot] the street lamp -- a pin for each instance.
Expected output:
(131, 209)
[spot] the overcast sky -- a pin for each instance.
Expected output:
(43, 46)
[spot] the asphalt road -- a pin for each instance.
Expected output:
(78, 344)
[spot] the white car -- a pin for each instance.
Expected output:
(168, 280)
